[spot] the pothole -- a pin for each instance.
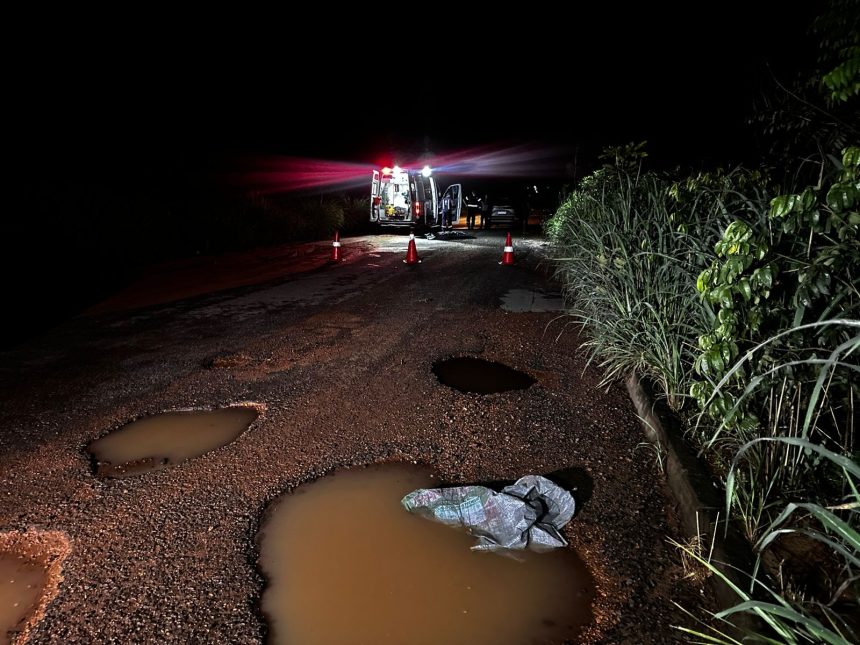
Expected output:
(477, 376)
(30, 573)
(21, 584)
(346, 563)
(227, 361)
(531, 300)
(167, 439)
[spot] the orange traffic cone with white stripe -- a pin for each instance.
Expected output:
(411, 251)
(508, 254)
(335, 248)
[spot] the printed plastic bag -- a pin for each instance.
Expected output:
(527, 514)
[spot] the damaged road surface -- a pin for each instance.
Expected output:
(338, 361)
(395, 578)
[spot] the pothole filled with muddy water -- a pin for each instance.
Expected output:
(21, 584)
(168, 439)
(346, 563)
(477, 376)
(31, 565)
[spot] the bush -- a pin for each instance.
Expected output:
(769, 349)
(785, 276)
(628, 249)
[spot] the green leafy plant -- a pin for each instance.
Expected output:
(816, 112)
(739, 284)
(838, 29)
(768, 279)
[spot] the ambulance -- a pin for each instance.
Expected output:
(410, 198)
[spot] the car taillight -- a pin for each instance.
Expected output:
(416, 207)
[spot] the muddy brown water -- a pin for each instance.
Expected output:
(21, 583)
(477, 376)
(346, 563)
(167, 439)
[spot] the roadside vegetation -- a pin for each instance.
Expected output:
(736, 294)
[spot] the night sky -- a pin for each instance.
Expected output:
(606, 74)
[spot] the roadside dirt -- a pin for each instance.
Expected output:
(170, 556)
(180, 279)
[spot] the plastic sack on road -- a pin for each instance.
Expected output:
(527, 514)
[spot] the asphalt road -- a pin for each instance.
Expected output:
(339, 359)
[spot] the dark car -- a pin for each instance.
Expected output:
(502, 211)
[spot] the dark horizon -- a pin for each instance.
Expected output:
(685, 84)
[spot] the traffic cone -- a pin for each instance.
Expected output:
(411, 251)
(335, 247)
(508, 254)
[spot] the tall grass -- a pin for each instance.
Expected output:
(805, 453)
(628, 258)
(787, 615)
(803, 408)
